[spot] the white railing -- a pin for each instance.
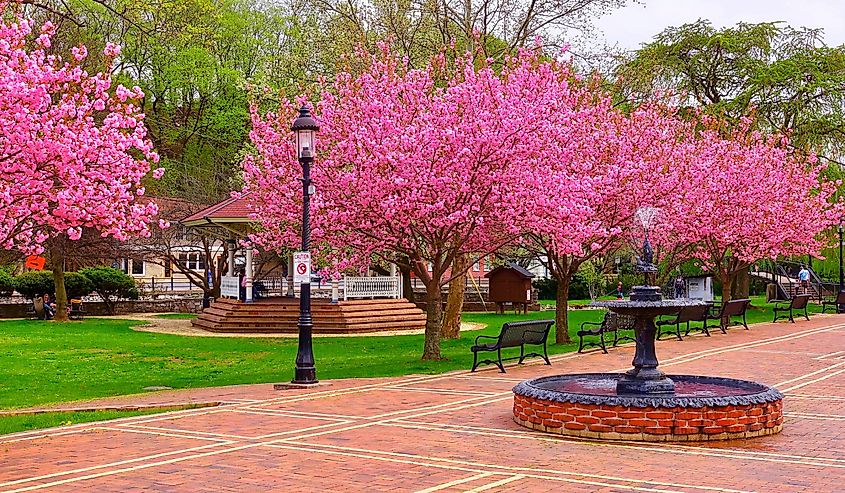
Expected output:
(371, 287)
(230, 286)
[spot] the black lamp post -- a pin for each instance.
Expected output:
(841, 274)
(305, 128)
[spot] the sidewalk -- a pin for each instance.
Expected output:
(454, 432)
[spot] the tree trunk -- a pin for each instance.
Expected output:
(455, 301)
(742, 288)
(561, 311)
(407, 288)
(433, 321)
(57, 258)
(727, 284)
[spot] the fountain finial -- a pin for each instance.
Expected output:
(645, 262)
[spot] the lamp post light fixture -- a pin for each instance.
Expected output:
(305, 128)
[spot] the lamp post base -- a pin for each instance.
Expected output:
(294, 386)
(305, 376)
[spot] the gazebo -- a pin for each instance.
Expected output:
(349, 305)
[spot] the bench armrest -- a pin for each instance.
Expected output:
(485, 337)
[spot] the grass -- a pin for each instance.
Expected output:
(12, 424)
(46, 362)
(177, 316)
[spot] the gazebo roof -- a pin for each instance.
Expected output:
(229, 211)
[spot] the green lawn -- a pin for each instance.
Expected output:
(45, 362)
(177, 315)
(12, 424)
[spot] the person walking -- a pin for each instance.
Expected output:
(620, 294)
(804, 279)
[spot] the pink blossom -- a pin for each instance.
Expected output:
(79, 53)
(62, 167)
(112, 50)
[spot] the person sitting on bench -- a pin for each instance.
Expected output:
(49, 308)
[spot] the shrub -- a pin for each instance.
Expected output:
(546, 288)
(77, 285)
(111, 285)
(7, 283)
(35, 283)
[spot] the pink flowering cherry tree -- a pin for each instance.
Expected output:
(74, 149)
(418, 166)
(752, 197)
(624, 162)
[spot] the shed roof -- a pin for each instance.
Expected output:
(511, 266)
(231, 210)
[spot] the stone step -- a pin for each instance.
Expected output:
(282, 314)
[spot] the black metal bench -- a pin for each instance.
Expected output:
(835, 303)
(612, 322)
(798, 302)
(514, 334)
(685, 315)
(724, 313)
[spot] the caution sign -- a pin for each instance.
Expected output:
(302, 267)
(35, 262)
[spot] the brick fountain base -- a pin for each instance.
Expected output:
(703, 408)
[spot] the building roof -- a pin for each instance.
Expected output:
(231, 210)
(510, 265)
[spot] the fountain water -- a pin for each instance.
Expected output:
(644, 403)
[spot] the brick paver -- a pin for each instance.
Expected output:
(454, 432)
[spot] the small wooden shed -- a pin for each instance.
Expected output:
(510, 284)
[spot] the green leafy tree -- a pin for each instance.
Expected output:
(112, 285)
(591, 273)
(783, 77)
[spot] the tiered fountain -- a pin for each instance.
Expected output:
(644, 403)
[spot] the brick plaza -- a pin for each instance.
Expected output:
(455, 432)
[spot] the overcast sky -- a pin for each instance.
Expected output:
(637, 24)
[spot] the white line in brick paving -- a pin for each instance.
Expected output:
(830, 355)
(441, 391)
(456, 482)
(689, 357)
(662, 447)
(815, 397)
(817, 380)
(496, 484)
(296, 414)
(541, 473)
(802, 377)
(112, 464)
(832, 417)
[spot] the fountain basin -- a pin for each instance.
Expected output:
(701, 408)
